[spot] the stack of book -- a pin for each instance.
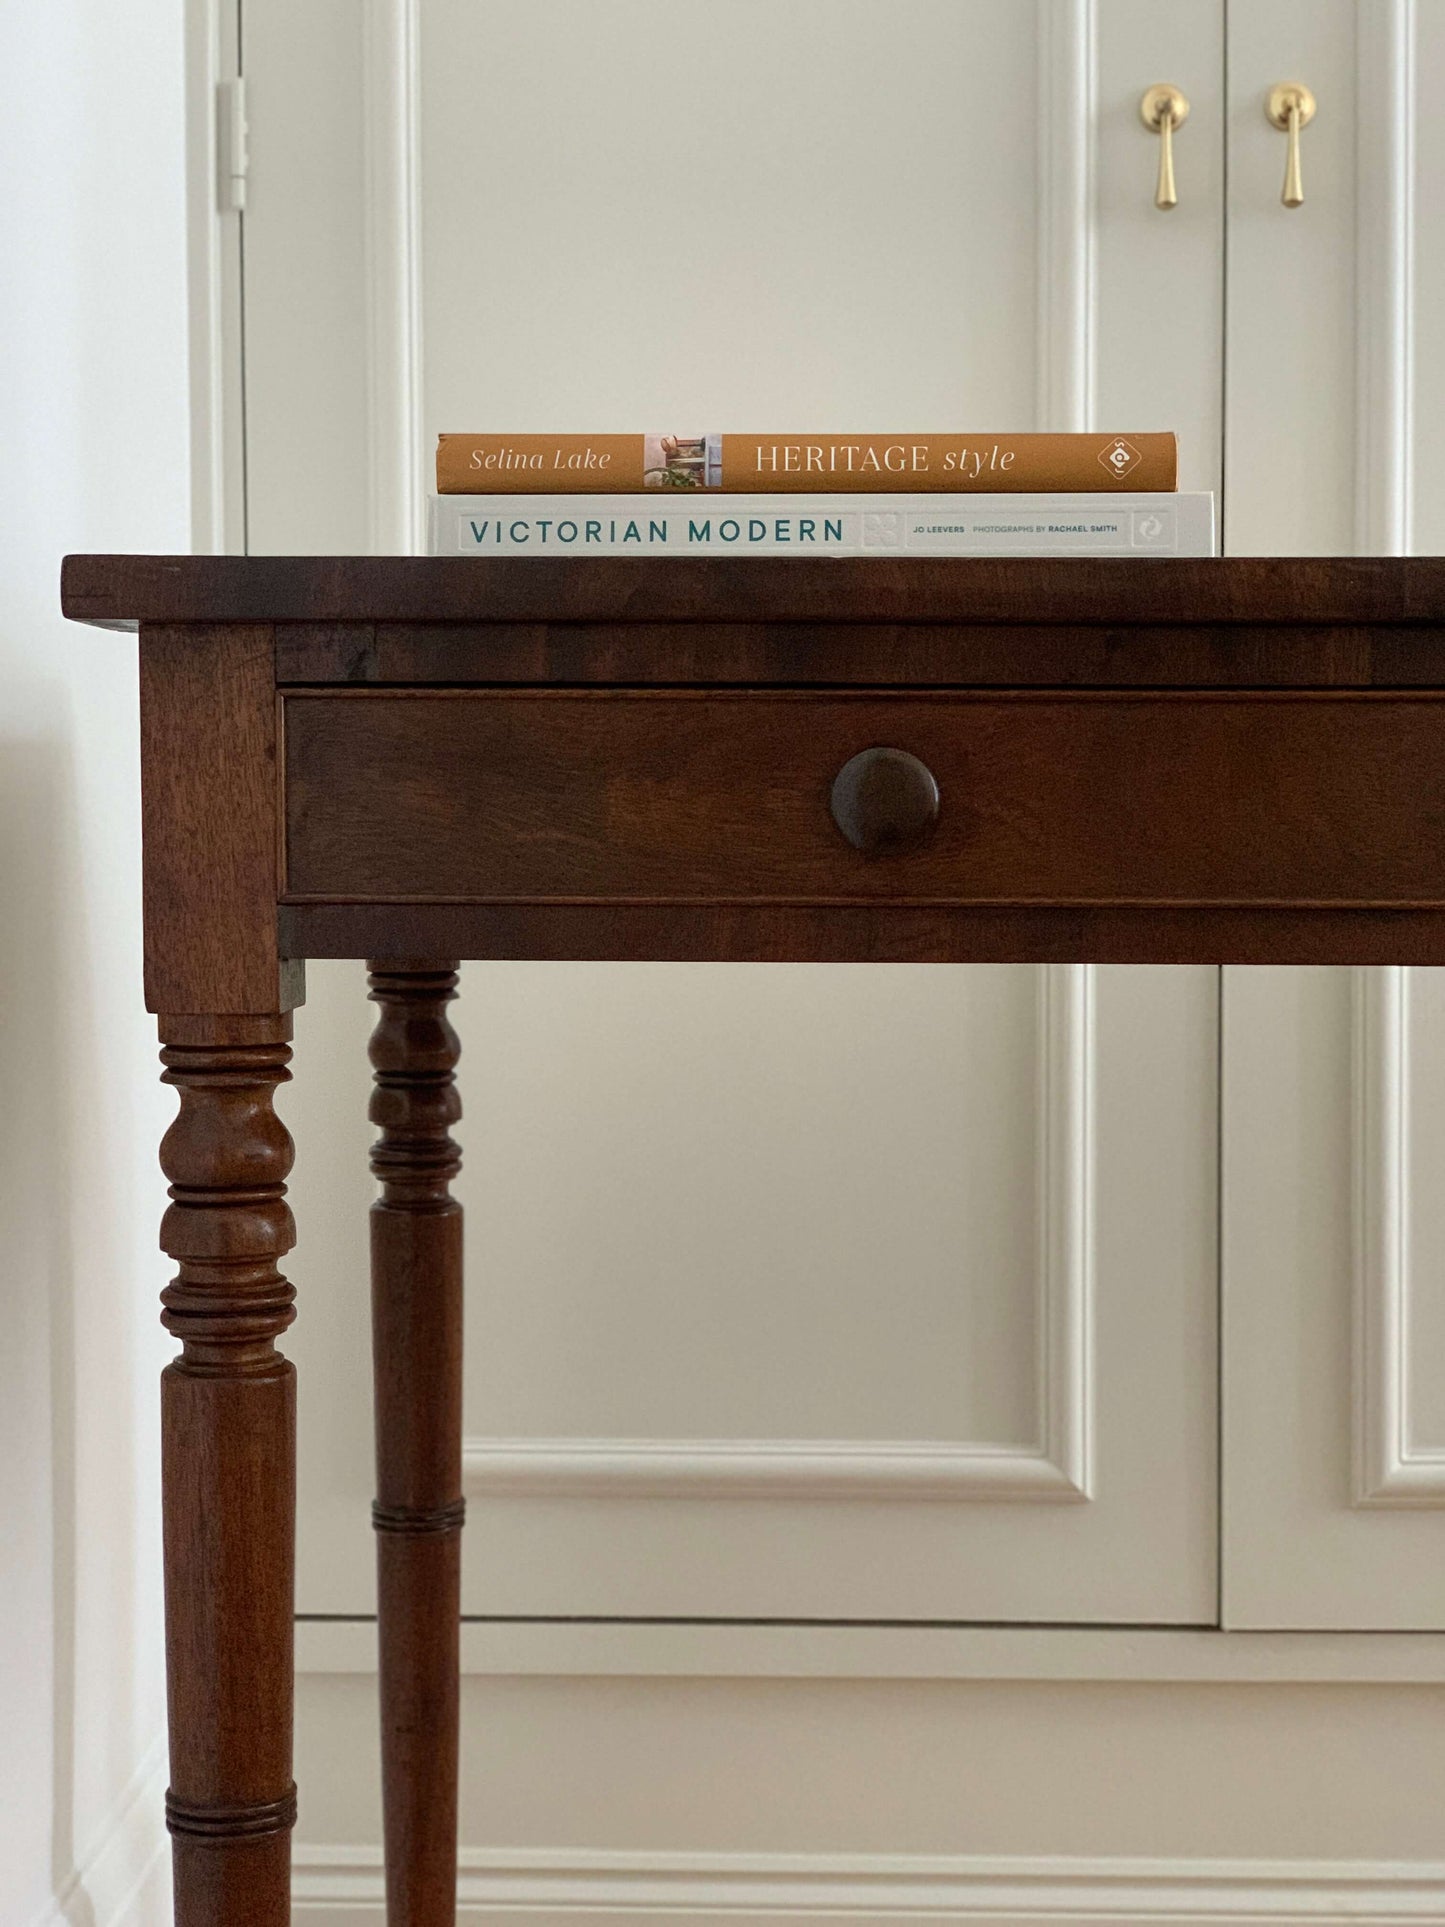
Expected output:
(549, 495)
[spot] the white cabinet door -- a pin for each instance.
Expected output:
(1334, 1267)
(1334, 1080)
(817, 1293)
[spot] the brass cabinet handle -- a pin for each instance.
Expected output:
(1290, 107)
(1162, 109)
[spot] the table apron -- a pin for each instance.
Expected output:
(1202, 805)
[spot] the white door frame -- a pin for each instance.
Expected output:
(214, 244)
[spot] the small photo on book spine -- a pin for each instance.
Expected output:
(682, 461)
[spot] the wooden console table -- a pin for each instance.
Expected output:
(418, 761)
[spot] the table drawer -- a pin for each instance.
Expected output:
(1106, 797)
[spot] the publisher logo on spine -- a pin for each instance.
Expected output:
(1120, 457)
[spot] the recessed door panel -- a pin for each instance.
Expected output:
(813, 1292)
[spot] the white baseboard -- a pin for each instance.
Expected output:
(342, 1887)
(123, 1877)
(562, 1649)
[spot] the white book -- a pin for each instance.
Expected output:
(788, 524)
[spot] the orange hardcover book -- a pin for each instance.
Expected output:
(819, 464)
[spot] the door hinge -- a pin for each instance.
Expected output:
(232, 151)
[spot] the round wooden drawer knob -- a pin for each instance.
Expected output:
(885, 800)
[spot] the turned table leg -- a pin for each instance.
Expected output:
(416, 1271)
(228, 1464)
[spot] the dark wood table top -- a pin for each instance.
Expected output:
(1369, 622)
(224, 588)
(1189, 760)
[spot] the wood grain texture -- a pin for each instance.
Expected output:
(210, 807)
(872, 933)
(1333, 591)
(1139, 653)
(228, 1419)
(616, 759)
(416, 1304)
(1086, 799)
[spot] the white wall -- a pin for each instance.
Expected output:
(93, 455)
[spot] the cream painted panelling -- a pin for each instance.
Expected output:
(755, 1286)
(1292, 345)
(812, 1293)
(747, 1801)
(1334, 1415)
(1333, 1238)
(732, 1229)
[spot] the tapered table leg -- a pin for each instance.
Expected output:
(416, 1273)
(228, 1462)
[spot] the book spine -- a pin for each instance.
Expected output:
(919, 524)
(806, 464)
